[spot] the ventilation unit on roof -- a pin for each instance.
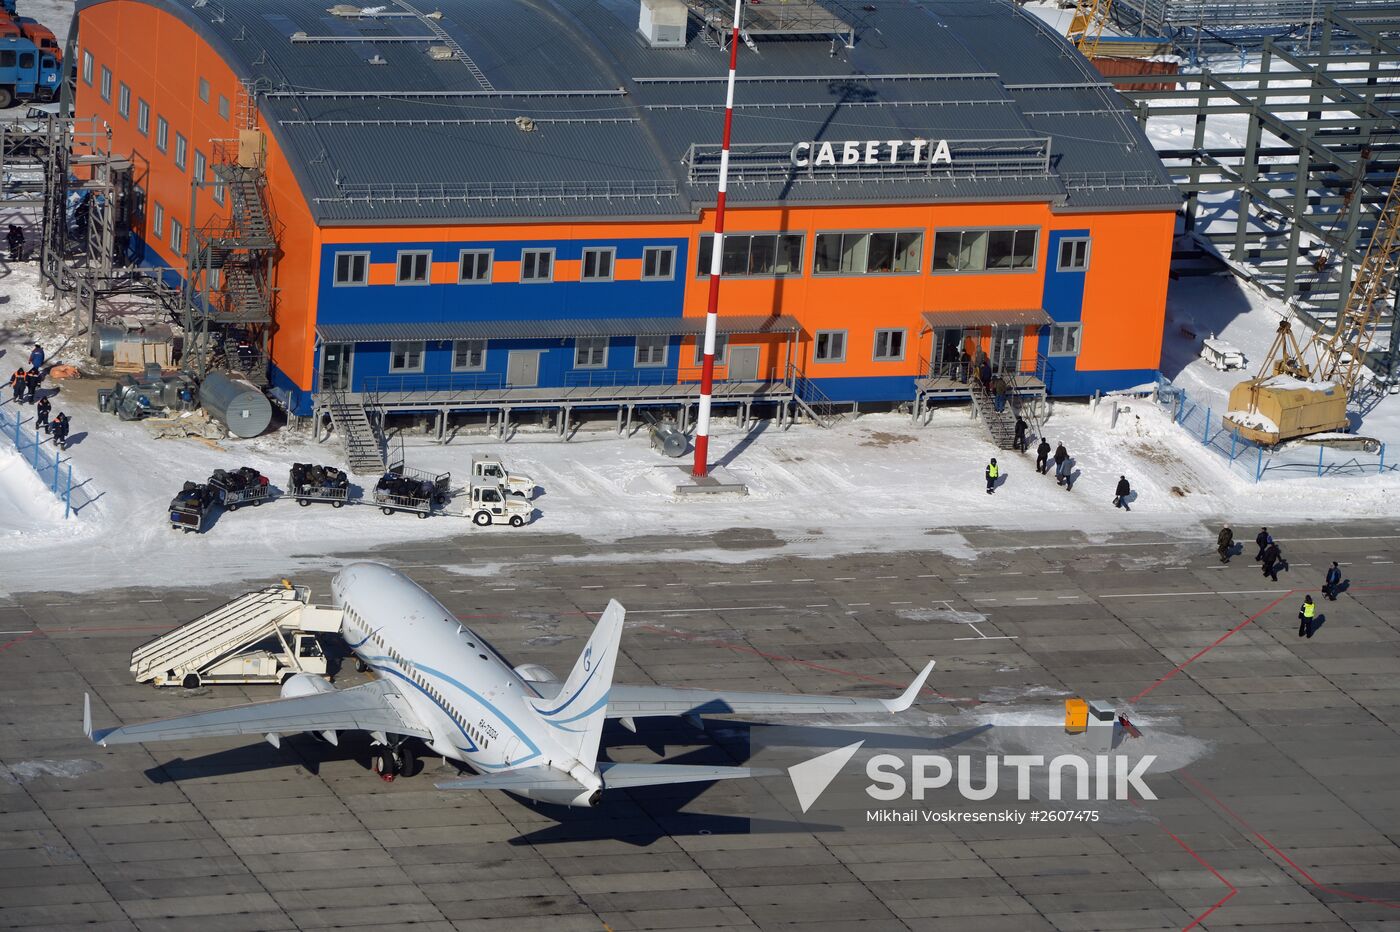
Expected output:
(441, 53)
(378, 60)
(662, 23)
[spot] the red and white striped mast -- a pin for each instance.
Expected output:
(707, 372)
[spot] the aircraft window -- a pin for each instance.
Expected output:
(471, 645)
(482, 656)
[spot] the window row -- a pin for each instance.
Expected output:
(474, 266)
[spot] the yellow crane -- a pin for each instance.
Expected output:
(1087, 25)
(1303, 389)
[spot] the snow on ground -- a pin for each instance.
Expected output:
(875, 483)
(27, 509)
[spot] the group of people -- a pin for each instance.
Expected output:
(1270, 556)
(24, 388)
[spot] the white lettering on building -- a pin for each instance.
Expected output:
(871, 152)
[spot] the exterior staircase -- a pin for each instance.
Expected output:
(364, 448)
(250, 217)
(812, 400)
(1001, 426)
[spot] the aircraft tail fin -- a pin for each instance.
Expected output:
(579, 709)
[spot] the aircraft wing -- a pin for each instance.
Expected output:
(375, 706)
(615, 776)
(641, 701)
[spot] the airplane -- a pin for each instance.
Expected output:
(518, 728)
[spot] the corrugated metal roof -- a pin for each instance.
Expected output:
(552, 329)
(416, 138)
(1022, 317)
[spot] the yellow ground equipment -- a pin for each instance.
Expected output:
(1303, 390)
(1086, 26)
(1076, 715)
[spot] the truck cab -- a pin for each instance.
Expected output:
(21, 77)
(491, 504)
(488, 469)
(41, 35)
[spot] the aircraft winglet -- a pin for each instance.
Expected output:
(906, 699)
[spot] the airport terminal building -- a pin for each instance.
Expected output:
(510, 202)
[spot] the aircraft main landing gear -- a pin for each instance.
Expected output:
(390, 761)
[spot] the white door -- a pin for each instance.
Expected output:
(743, 363)
(523, 368)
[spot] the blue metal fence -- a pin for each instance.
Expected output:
(34, 447)
(1258, 462)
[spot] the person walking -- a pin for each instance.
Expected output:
(1334, 579)
(1272, 556)
(41, 413)
(60, 430)
(36, 357)
(1225, 543)
(17, 385)
(1020, 439)
(993, 474)
(1061, 464)
(1307, 616)
(14, 238)
(1263, 540)
(32, 378)
(1042, 457)
(1121, 493)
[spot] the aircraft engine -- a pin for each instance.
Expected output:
(304, 684)
(535, 673)
(579, 799)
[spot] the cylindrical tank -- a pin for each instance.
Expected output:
(236, 404)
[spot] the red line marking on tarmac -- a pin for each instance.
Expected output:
(1204, 863)
(1388, 904)
(23, 637)
(744, 649)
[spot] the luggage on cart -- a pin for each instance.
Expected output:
(191, 506)
(240, 487)
(404, 489)
(310, 483)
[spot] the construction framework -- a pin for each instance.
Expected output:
(1292, 206)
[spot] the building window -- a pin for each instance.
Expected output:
(123, 101)
(889, 345)
(830, 346)
(414, 266)
(597, 264)
(984, 250)
(200, 166)
(204, 90)
(867, 253)
(406, 356)
(537, 265)
(106, 86)
(158, 221)
(143, 117)
(658, 263)
(177, 236)
(468, 355)
(181, 151)
(651, 351)
(351, 268)
(162, 134)
(721, 349)
(223, 107)
(753, 254)
(590, 352)
(1064, 339)
(1074, 254)
(87, 67)
(474, 267)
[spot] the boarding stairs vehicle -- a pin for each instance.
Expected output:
(264, 636)
(488, 468)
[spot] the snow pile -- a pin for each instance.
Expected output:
(26, 506)
(1252, 420)
(1288, 383)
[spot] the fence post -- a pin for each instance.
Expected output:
(1205, 434)
(1380, 468)
(1180, 406)
(1321, 452)
(67, 492)
(1234, 440)
(1259, 466)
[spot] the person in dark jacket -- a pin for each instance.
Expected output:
(993, 474)
(1020, 440)
(1121, 493)
(17, 385)
(1225, 543)
(1042, 457)
(1263, 540)
(32, 378)
(1307, 617)
(964, 367)
(1272, 557)
(41, 413)
(984, 373)
(1061, 464)
(1334, 579)
(14, 238)
(60, 430)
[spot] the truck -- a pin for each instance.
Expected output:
(41, 35)
(487, 468)
(490, 503)
(26, 71)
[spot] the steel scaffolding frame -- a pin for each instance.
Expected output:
(1321, 148)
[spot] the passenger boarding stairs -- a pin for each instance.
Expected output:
(259, 637)
(364, 448)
